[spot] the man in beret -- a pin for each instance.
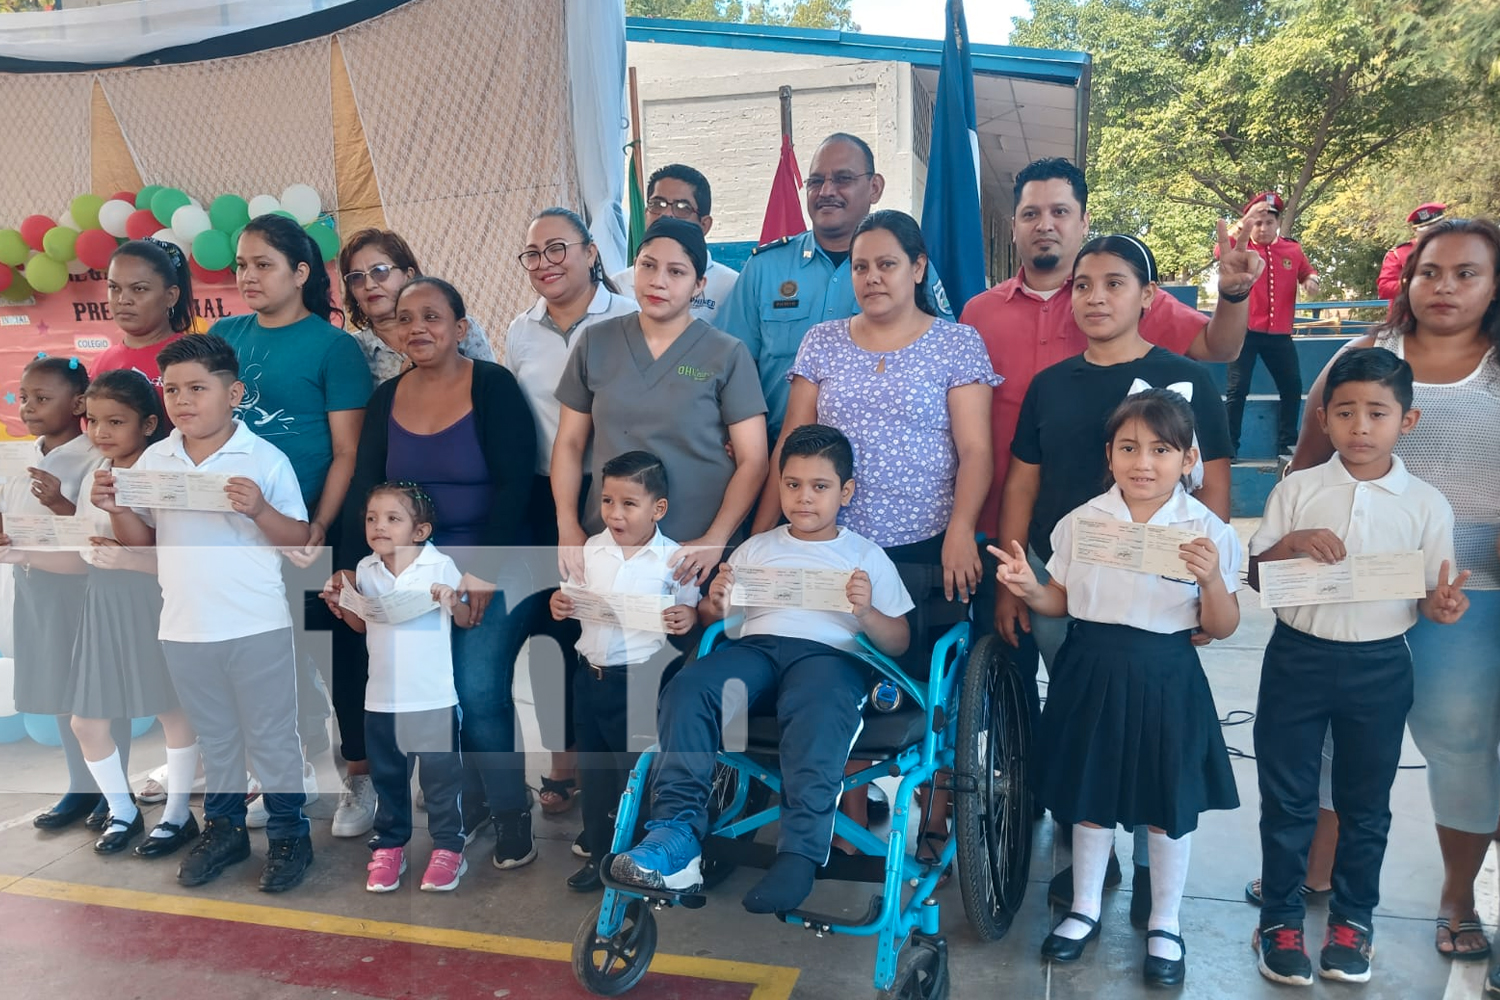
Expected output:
(1388, 285)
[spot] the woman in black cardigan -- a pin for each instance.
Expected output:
(462, 430)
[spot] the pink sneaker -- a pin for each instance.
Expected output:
(387, 865)
(444, 871)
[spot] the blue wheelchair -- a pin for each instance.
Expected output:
(965, 727)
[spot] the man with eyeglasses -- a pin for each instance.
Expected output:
(683, 193)
(796, 282)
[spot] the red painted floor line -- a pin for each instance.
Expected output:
(180, 954)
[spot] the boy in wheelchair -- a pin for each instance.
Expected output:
(802, 663)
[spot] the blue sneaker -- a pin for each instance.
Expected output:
(667, 858)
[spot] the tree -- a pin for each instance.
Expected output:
(799, 13)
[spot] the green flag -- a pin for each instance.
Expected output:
(637, 200)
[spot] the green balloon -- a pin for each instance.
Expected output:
(286, 215)
(326, 239)
(46, 275)
(227, 213)
(19, 290)
(59, 243)
(85, 209)
(13, 248)
(165, 202)
(212, 250)
(144, 195)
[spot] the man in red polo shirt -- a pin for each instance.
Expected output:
(1273, 301)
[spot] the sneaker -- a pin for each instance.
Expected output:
(287, 862)
(444, 870)
(580, 847)
(1347, 950)
(669, 857)
(222, 843)
(1283, 954)
(513, 844)
(256, 816)
(355, 815)
(387, 865)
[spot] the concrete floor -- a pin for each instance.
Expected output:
(53, 890)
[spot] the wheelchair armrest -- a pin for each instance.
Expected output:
(938, 676)
(716, 632)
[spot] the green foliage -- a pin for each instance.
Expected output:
(799, 13)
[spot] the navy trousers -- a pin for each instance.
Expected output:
(817, 694)
(394, 742)
(1363, 690)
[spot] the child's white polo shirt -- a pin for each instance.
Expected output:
(607, 570)
(1395, 513)
(411, 664)
(220, 576)
(73, 463)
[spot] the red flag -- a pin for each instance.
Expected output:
(784, 211)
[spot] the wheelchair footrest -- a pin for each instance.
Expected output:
(822, 923)
(656, 897)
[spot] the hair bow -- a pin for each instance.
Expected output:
(1185, 390)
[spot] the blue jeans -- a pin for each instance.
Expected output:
(483, 670)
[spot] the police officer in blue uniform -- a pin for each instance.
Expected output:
(793, 283)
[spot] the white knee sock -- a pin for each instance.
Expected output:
(1169, 867)
(1091, 846)
(110, 777)
(182, 768)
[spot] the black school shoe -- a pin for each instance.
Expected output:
(69, 809)
(179, 836)
(222, 843)
(99, 818)
(586, 879)
(118, 834)
(287, 862)
(1165, 971)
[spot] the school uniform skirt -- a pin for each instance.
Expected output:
(48, 608)
(121, 673)
(1129, 734)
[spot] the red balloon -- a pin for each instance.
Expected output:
(204, 277)
(34, 227)
(7, 275)
(94, 248)
(122, 196)
(141, 224)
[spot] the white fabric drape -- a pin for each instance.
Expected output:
(596, 76)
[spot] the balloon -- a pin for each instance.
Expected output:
(34, 228)
(43, 729)
(166, 235)
(141, 224)
(7, 275)
(144, 196)
(113, 215)
(326, 239)
(12, 728)
(13, 248)
(262, 204)
(66, 219)
(228, 212)
(46, 274)
(212, 251)
(202, 276)
(123, 196)
(188, 221)
(95, 248)
(59, 242)
(76, 266)
(165, 202)
(286, 215)
(303, 202)
(19, 290)
(139, 727)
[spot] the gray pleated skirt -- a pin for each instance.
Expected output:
(48, 607)
(118, 660)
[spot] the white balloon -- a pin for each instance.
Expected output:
(67, 220)
(112, 216)
(302, 201)
(263, 204)
(76, 266)
(168, 236)
(194, 202)
(190, 220)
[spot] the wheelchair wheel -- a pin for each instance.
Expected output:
(993, 816)
(611, 966)
(922, 973)
(721, 797)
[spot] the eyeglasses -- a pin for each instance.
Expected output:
(377, 274)
(554, 252)
(680, 209)
(842, 179)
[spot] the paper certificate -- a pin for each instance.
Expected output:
(769, 587)
(387, 609)
(642, 612)
(43, 531)
(164, 490)
(1143, 548)
(16, 457)
(1375, 576)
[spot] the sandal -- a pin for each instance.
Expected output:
(1468, 926)
(930, 846)
(1252, 892)
(556, 795)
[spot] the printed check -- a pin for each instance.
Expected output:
(642, 612)
(770, 587)
(164, 490)
(1374, 576)
(1142, 548)
(44, 531)
(388, 609)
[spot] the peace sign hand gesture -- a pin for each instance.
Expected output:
(1447, 604)
(1239, 268)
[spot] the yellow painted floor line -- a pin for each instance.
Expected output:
(770, 982)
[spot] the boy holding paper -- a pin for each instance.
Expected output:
(1343, 664)
(629, 559)
(226, 629)
(800, 661)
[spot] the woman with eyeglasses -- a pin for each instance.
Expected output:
(573, 293)
(375, 264)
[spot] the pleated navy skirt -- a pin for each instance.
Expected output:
(1130, 734)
